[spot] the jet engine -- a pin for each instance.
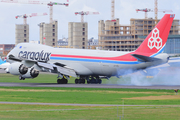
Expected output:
(32, 73)
(17, 69)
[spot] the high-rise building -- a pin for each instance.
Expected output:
(22, 33)
(78, 35)
(49, 33)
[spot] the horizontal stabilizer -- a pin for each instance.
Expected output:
(143, 58)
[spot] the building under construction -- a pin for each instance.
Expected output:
(49, 33)
(22, 33)
(78, 35)
(116, 37)
(5, 49)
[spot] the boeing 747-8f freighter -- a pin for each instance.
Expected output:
(27, 60)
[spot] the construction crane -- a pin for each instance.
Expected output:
(156, 11)
(82, 13)
(150, 10)
(144, 10)
(112, 10)
(25, 16)
(50, 4)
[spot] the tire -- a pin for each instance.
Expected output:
(79, 81)
(65, 81)
(58, 81)
(83, 81)
(88, 81)
(100, 81)
(76, 81)
(93, 81)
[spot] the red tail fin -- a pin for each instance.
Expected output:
(156, 40)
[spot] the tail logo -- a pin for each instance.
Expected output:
(155, 41)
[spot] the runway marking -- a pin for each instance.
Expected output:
(162, 97)
(91, 91)
(79, 109)
(55, 110)
(90, 105)
(31, 90)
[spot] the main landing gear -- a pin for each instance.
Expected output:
(90, 80)
(94, 81)
(62, 81)
(80, 81)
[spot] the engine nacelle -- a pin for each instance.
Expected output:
(17, 69)
(32, 73)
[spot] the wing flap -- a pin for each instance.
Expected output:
(66, 71)
(46, 65)
(62, 70)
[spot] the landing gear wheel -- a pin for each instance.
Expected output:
(62, 81)
(58, 81)
(100, 81)
(79, 81)
(76, 81)
(83, 81)
(88, 81)
(94, 81)
(65, 81)
(21, 78)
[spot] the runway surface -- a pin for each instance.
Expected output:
(88, 85)
(71, 104)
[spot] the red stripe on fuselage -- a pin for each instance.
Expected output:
(126, 57)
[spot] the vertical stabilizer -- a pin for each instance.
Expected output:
(156, 40)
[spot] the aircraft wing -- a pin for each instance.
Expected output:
(57, 67)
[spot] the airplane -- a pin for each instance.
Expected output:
(1, 61)
(27, 60)
(4, 65)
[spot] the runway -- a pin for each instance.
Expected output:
(172, 87)
(73, 104)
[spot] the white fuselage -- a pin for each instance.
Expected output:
(84, 62)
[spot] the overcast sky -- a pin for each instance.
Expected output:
(124, 10)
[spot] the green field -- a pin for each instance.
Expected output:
(85, 96)
(89, 96)
(50, 78)
(40, 112)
